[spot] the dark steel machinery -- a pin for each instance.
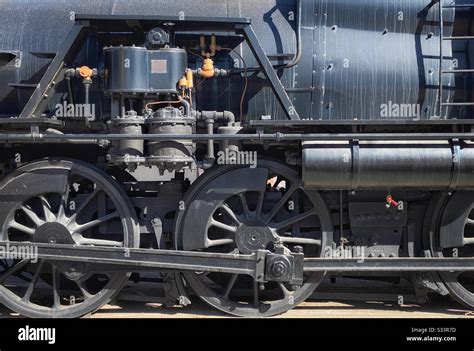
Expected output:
(245, 156)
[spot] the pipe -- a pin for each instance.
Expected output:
(279, 137)
(87, 85)
(49, 131)
(210, 142)
(227, 116)
(187, 107)
(86, 92)
(69, 89)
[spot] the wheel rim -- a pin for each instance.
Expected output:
(91, 210)
(251, 220)
(459, 284)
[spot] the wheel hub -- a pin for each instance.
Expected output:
(252, 238)
(53, 233)
(72, 270)
(57, 233)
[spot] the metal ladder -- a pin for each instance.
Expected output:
(442, 71)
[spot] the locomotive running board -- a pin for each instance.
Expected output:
(254, 265)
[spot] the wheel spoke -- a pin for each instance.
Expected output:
(230, 285)
(32, 215)
(292, 220)
(48, 213)
(285, 291)
(223, 226)
(62, 206)
(470, 221)
(468, 241)
(14, 269)
(83, 205)
(219, 242)
(261, 198)
(96, 222)
(56, 296)
(280, 204)
(22, 228)
(78, 238)
(231, 213)
(245, 205)
(33, 282)
(85, 293)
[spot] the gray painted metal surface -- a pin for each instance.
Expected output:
(387, 165)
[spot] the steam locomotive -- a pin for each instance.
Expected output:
(242, 149)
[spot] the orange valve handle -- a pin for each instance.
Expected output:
(86, 72)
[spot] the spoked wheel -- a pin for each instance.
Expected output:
(453, 236)
(236, 209)
(62, 202)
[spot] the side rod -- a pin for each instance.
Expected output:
(252, 265)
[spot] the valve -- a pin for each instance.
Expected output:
(207, 70)
(85, 72)
(202, 45)
(391, 202)
(213, 46)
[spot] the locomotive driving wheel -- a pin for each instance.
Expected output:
(452, 235)
(62, 202)
(237, 209)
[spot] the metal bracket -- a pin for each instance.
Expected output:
(260, 262)
(42, 93)
(456, 150)
(269, 72)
